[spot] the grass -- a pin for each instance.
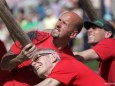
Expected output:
(92, 64)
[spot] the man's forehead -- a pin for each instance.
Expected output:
(46, 51)
(43, 54)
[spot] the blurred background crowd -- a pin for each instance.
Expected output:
(43, 14)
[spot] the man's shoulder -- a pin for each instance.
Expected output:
(108, 41)
(105, 48)
(38, 35)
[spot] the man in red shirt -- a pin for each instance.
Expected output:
(18, 60)
(101, 37)
(63, 72)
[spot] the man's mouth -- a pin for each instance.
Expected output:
(57, 29)
(90, 36)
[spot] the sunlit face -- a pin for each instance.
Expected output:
(95, 35)
(64, 27)
(41, 65)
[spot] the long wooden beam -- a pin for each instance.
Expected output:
(12, 25)
(89, 9)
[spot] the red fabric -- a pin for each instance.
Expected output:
(106, 51)
(3, 74)
(73, 73)
(42, 36)
(22, 76)
(2, 49)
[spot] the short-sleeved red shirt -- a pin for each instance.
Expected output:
(73, 73)
(22, 75)
(106, 51)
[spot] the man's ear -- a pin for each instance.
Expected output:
(74, 34)
(53, 57)
(108, 34)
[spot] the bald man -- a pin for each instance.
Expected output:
(18, 59)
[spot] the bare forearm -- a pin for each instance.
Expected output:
(10, 61)
(89, 54)
(49, 82)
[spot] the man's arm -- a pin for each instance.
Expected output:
(49, 82)
(7, 61)
(10, 60)
(89, 54)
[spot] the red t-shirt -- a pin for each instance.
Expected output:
(22, 75)
(73, 73)
(106, 51)
(3, 74)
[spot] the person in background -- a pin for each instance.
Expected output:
(101, 38)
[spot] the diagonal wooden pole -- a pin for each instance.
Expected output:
(89, 9)
(12, 36)
(12, 25)
(4, 2)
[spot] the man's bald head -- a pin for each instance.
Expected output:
(67, 27)
(75, 20)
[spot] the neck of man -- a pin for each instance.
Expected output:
(60, 44)
(93, 44)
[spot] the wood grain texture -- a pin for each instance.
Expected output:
(89, 9)
(12, 25)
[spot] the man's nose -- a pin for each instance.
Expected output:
(33, 64)
(59, 24)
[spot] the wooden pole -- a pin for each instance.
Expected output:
(89, 9)
(12, 25)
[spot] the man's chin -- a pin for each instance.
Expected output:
(55, 35)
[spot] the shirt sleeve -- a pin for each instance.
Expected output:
(104, 49)
(36, 37)
(16, 47)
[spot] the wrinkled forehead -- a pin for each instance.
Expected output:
(46, 52)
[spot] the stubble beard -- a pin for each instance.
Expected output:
(54, 35)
